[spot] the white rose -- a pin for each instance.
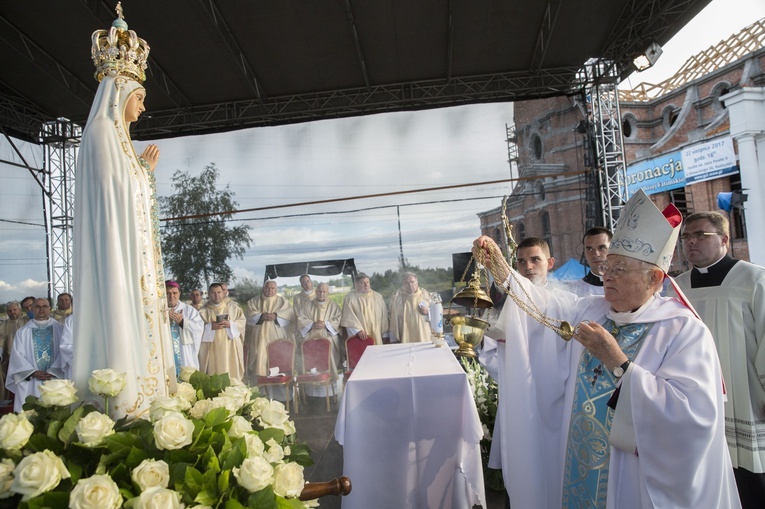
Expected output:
(158, 498)
(257, 405)
(275, 453)
(200, 506)
(183, 403)
(239, 426)
(92, 428)
(201, 408)
(255, 446)
(173, 431)
(15, 430)
(107, 382)
(288, 480)
(57, 392)
(254, 474)
(161, 406)
(309, 504)
(274, 415)
(187, 392)
(240, 393)
(227, 402)
(96, 492)
(7, 466)
(151, 473)
(186, 372)
(38, 473)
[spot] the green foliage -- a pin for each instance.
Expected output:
(195, 251)
(246, 289)
(433, 280)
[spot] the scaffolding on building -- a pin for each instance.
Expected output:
(61, 141)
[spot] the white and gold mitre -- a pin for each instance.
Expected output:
(645, 233)
(119, 51)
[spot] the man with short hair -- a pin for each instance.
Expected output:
(409, 312)
(269, 319)
(35, 351)
(221, 350)
(596, 243)
(729, 296)
(16, 320)
(196, 300)
(186, 328)
(63, 307)
(26, 306)
(320, 317)
(534, 260)
(364, 311)
(307, 294)
(606, 419)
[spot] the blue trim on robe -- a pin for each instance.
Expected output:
(585, 475)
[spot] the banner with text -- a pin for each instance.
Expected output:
(656, 175)
(709, 160)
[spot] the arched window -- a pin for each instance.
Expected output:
(520, 232)
(547, 230)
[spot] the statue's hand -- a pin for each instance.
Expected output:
(151, 156)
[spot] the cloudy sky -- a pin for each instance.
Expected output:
(342, 158)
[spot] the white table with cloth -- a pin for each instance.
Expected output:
(410, 431)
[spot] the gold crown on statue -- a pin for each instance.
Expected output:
(119, 51)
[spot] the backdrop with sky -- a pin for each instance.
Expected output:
(343, 158)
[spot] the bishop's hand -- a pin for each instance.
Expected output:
(600, 343)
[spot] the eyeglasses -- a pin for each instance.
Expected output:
(697, 235)
(617, 269)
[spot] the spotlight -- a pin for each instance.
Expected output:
(648, 57)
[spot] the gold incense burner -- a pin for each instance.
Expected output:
(468, 331)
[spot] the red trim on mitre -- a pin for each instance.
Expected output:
(673, 216)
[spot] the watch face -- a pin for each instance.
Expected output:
(618, 371)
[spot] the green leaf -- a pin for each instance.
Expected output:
(193, 481)
(210, 461)
(207, 497)
(234, 456)
(50, 500)
(233, 504)
(263, 499)
(38, 442)
(288, 503)
(269, 433)
(216, 417)
(223, 480)
(135, 457)
(67, 431)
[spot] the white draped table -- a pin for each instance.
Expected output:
(410, 431)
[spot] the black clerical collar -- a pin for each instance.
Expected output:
(714, 274)
(592, 279)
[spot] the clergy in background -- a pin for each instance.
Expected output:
(409, 309)
(35, 351)
(221, 350)
(63, 307)
(320, 318)
(269, 319)
(364, 311)
(186, 328)
(16, 320)
(308, 293)
(729, 295)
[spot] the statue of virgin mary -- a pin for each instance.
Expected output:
(122, 320)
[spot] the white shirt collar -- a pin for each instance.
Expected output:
(620, 318)
(43, 323)
(704, 270)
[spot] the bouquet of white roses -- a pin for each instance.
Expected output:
(213, 444)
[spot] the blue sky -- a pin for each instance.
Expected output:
(338, 159)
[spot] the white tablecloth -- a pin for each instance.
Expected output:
(410, 431)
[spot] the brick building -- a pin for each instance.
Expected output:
(661, 136)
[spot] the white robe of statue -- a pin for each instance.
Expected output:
(121, 319)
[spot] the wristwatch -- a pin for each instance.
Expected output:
(620, 370)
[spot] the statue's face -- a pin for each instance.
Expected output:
(134, 105)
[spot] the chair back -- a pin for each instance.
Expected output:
(316, 354)
(354, 348)
(281, 354)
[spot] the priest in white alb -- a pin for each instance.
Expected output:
(186, 328)
(364, 312)
(307, 294)
(269, 318)
(409, 312)
(221, 350)
(35, 352)
(320, 318)
(629, 413)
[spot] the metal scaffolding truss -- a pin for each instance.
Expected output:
(61, 140)
(603, 114)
